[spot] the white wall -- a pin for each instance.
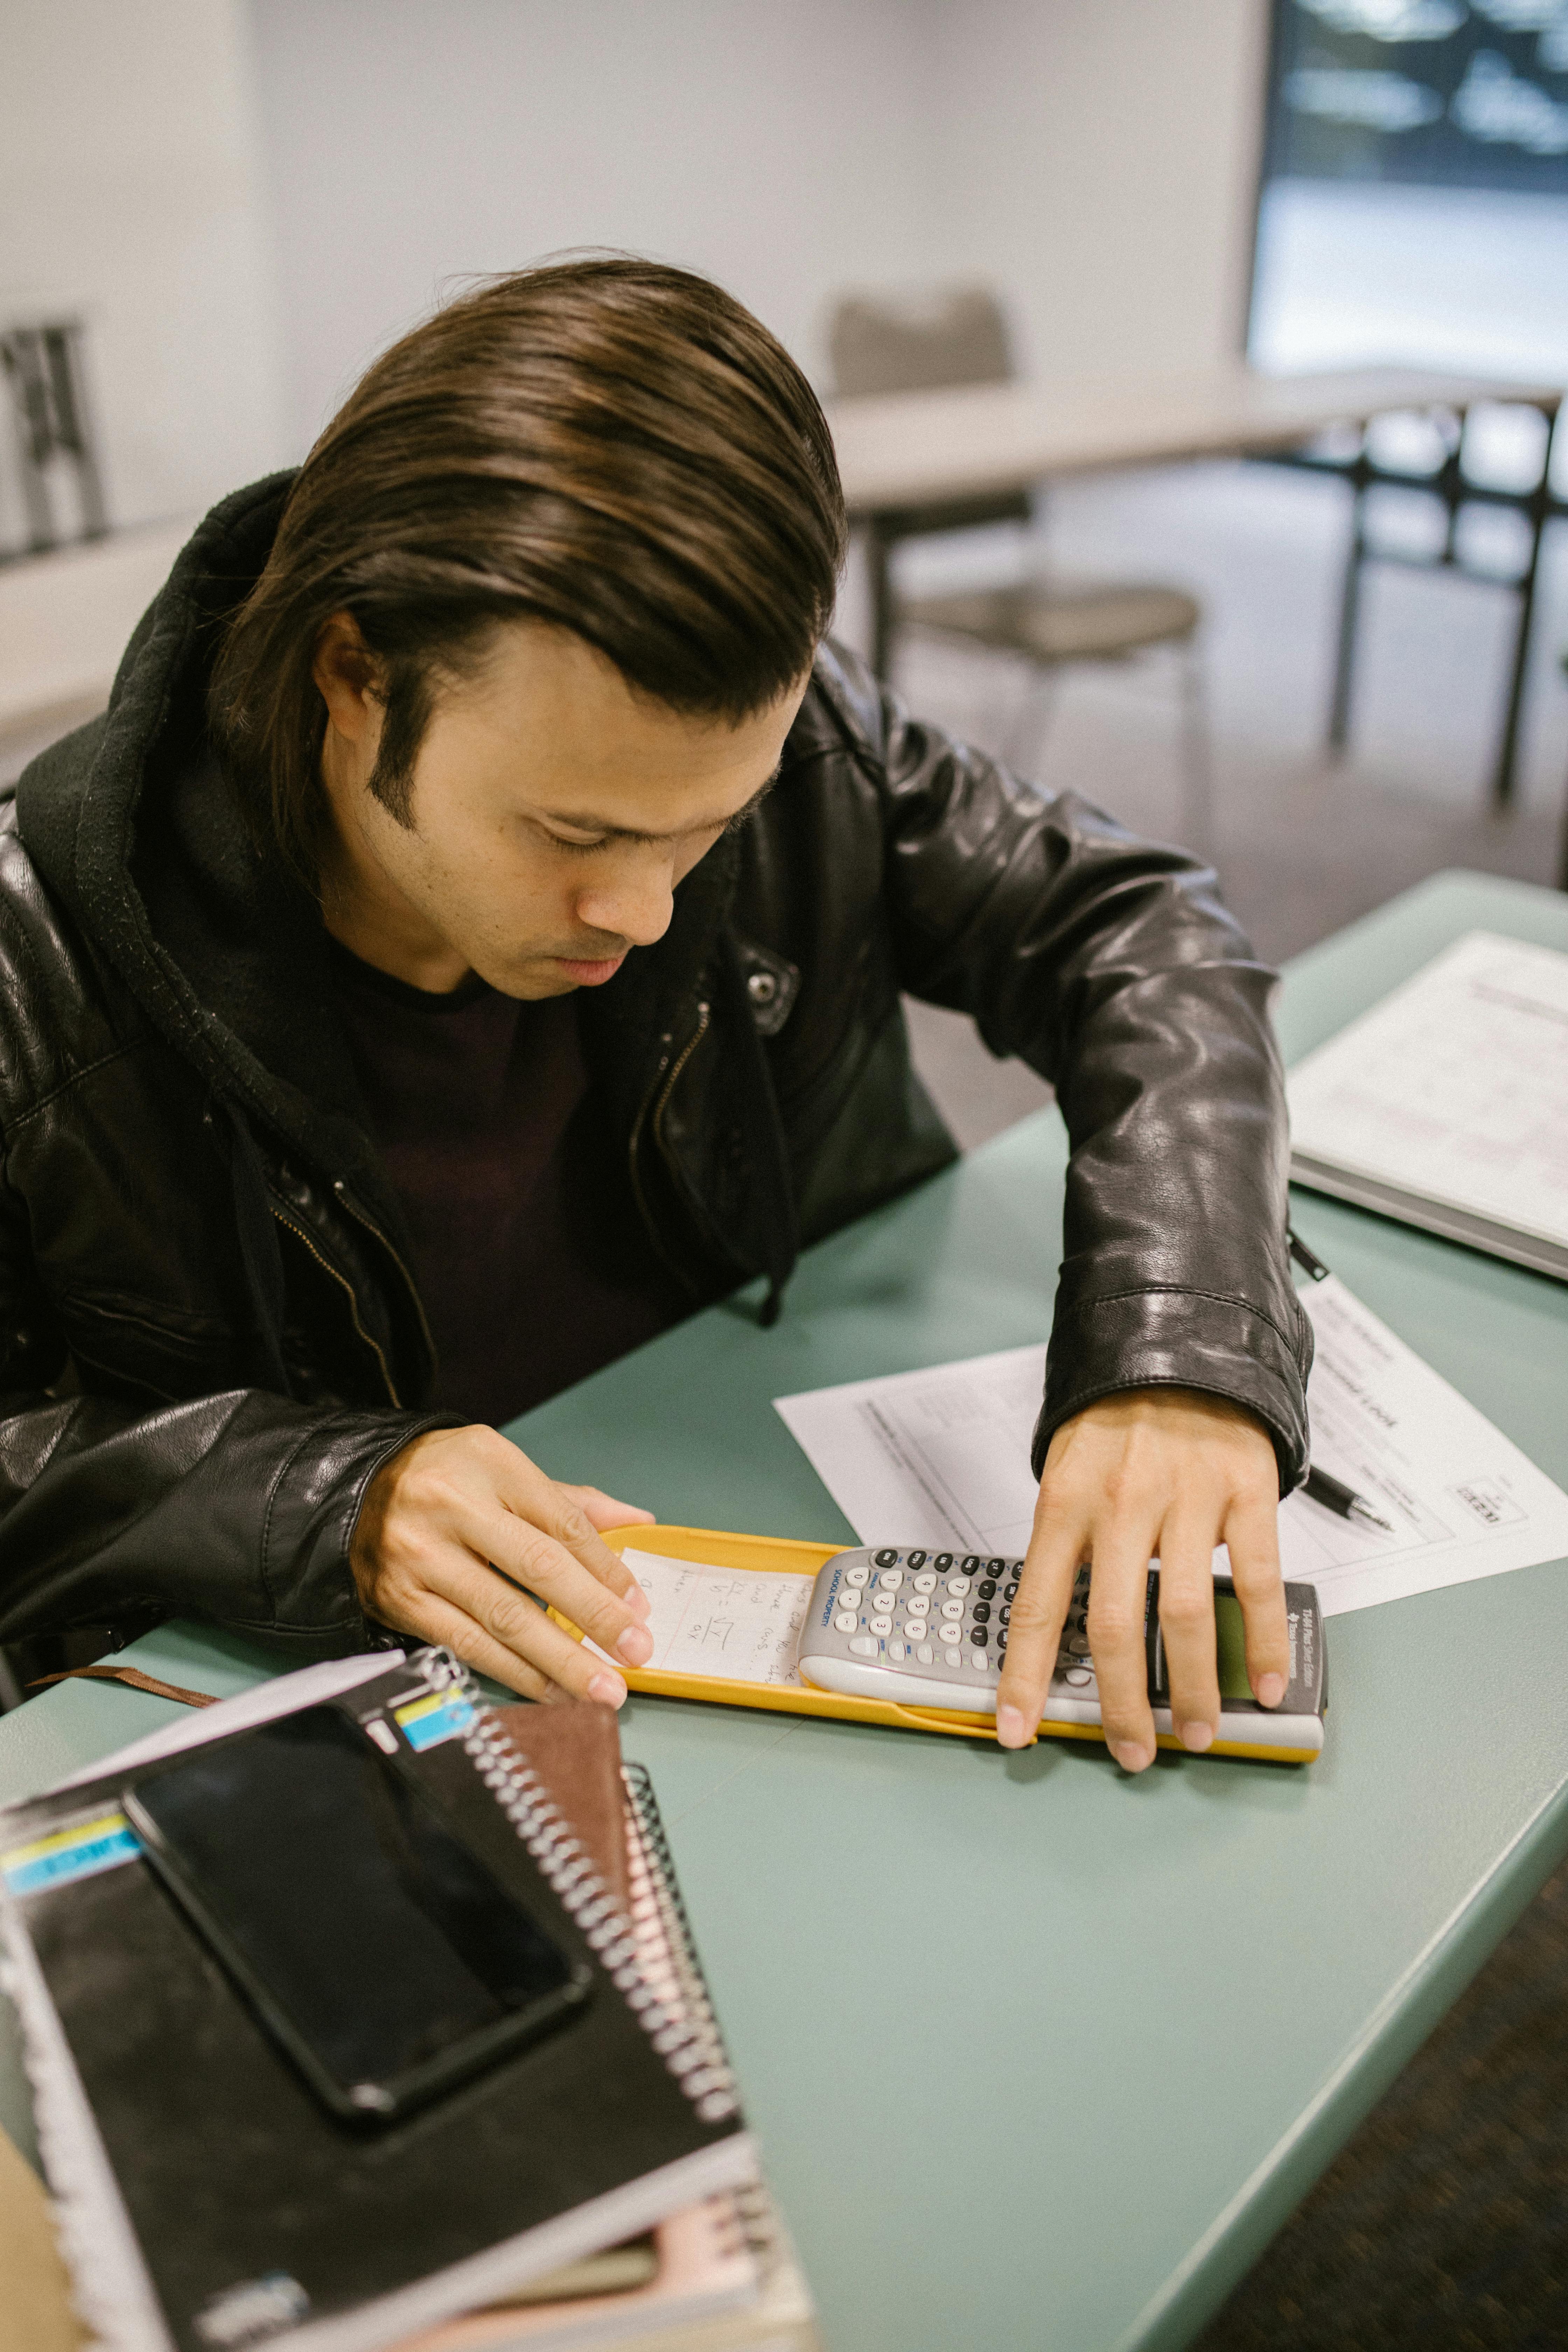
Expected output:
(129, 190)
(770, 143)
(1094, 157)
(1099, 159)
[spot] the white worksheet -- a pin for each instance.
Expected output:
(1454, 1088)
(941, 1457)
(741, 1624)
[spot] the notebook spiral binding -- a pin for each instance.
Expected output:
(667, 1997)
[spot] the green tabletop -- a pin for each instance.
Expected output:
(1039, 2055)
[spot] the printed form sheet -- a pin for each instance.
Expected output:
(1454, 1088)
(941, 1457)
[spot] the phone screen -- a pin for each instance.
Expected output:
(378, 1948)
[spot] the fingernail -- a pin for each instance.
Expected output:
(1130, 1755)
(636, 1645)
(608, 1689)
(1270, 1690)
(1197, 1736)
(1011, 1728)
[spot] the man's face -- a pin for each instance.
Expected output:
(554, 810)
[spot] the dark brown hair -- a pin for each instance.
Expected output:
(608, 445)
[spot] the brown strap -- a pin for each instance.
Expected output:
(134, 1679)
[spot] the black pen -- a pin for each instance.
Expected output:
(1333, 1493)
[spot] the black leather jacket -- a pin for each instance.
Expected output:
(209, 1339)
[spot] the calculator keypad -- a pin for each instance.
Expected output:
(940, 1617)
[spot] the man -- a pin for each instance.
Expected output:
(474, 936)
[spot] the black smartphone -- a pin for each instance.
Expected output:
(379, 1951)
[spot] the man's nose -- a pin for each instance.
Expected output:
(635, 907)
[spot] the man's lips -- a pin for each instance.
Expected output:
(591, 975)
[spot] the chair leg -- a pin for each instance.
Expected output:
(1197, 753)
(1032, 718)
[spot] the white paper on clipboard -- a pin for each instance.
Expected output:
(940, 1457)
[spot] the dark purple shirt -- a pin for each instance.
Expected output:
(531, 1258)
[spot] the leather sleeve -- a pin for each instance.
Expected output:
(1112, 967)
(236, 1508)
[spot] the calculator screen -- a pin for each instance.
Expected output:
(1231, 1647)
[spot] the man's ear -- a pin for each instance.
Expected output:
(348, 679)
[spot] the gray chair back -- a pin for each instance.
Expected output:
(951, 336)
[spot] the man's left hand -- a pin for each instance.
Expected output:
(1165, 1471)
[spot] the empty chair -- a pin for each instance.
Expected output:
(958, 336)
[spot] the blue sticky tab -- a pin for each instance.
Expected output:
(64, 1855)
(426, 1722)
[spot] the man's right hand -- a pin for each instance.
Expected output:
(455, 1506)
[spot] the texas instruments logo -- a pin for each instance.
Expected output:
(1294, 1622)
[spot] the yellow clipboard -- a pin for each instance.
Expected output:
(778, 1556)
(712, 1547)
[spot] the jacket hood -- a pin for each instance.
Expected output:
(137, 830)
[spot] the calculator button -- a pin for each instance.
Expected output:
(919, 1604)
(953, 1657)
(952, 1609)
(978, 1658)
(1004, 1614)
(858, 1576)
(1010, 1589)
(1001, 1645)
(958, 1586)
(988, 1589)
(925, 1654)
(970, 1564)
(880, 1625)
(979, 1636)
(980, 1613)
(863, 1647)
(891, 1578)
(896, 1651)
(995, 1568)
(887, 1559)
(916, 1558)
(1079, 1677)
(846, 1621)
(1079, 1646)
(943, 1561)
(926, 1583)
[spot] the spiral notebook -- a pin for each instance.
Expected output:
(1446, 1104)
(205, 2200)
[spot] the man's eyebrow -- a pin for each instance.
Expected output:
(581, 822)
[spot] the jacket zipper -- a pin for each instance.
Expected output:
(342, 1192)
(643, 1119)
(345, 1284)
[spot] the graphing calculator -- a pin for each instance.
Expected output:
(930, 1630)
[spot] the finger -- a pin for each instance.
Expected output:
(1186, 1621)
(1038, 1612)
(535, 1533)
(1252, 1534)
(468, 1640)
(1118, 1607)
(424, 1616)
(519, 1626)
(539, 1506)
(602, 1512)
(530, 1558)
